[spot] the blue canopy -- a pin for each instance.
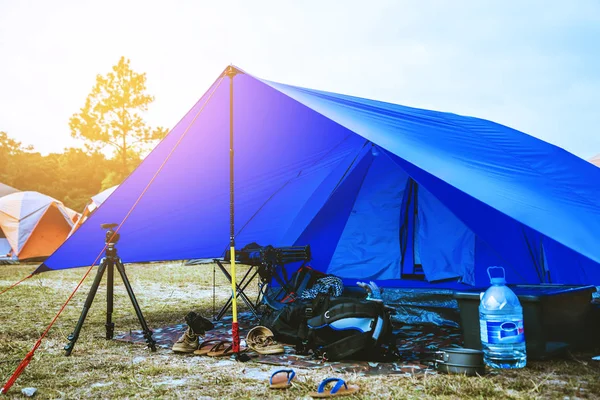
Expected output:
(380, 191)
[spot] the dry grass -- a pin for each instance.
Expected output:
(108, 369)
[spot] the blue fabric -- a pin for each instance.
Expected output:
(4, 246)
(538, 184)
(408, 221)
(370, 240)
(446, 246)
(304, 174)
(503, 235)
(324, 231)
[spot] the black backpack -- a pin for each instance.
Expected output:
(345, 327)
(277, 298)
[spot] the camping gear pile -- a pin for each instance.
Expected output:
(328, 323)
(415, 343)
(320, 320)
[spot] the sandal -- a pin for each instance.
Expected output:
(267, 345)
(339, 389)
(223, 349)
(262, 340)
(207, 346)
(280, 381)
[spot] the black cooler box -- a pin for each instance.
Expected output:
(555, 317)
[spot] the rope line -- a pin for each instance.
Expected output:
(15, 284)
(31, 353)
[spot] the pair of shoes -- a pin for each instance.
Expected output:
(262, 340)
(197, 327)
(282, 379)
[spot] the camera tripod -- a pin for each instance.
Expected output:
(108, 263)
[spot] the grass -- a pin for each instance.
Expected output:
(166, 292)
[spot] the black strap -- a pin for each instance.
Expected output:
(345, 347)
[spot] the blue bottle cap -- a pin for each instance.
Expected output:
(497, 279)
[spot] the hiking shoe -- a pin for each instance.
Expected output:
(187, 343)
(198, 323)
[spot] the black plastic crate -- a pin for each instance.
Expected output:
(554, 316)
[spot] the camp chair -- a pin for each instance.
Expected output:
(270, 264)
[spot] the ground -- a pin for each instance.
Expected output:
(166, 292)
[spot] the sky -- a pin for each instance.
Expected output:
(531, 65)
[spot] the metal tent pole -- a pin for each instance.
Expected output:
(231, 72)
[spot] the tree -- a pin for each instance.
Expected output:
(72, 176)
(78, 176)
(111, 116)
(10, 150)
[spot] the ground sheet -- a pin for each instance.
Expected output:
(416, 344)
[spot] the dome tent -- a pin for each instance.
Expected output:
(95, 202)
(33, 224)
(6, 190)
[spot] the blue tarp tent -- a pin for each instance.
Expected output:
(403, 196)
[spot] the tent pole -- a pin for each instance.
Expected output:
(231, 72)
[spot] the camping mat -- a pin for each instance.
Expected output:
(416, 343)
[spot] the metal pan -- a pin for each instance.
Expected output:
(460, 361)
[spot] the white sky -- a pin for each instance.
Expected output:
(531, 65)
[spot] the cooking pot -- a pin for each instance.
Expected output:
(460, 361)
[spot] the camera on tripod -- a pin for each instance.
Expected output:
(111, 237)
(109, 263)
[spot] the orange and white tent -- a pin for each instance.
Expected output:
(6, 190)
(33, 224)
(595, 160)
(5, 249)
(95, 202)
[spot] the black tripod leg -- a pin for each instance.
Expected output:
(136, 306)
(110, 326)
(86, 307)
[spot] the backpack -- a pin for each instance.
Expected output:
(346, 327)
(285, 313)
(277, 298)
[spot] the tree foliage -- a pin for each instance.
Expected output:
(71, 177)
(111, 116)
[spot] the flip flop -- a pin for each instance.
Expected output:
(207, 346)
(339, 389)
(280, 381)
(223, 349)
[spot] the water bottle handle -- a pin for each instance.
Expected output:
(490, 273)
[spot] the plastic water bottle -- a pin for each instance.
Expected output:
(501, 325)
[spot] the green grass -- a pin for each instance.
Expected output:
(166, 292)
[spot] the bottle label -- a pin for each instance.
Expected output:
(506, 331)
